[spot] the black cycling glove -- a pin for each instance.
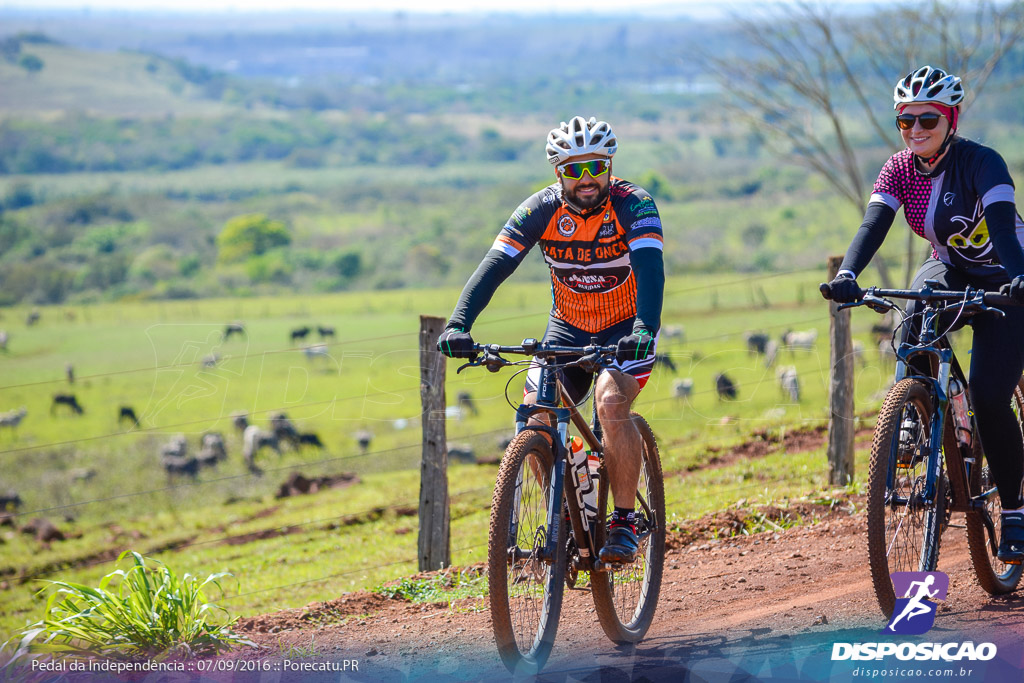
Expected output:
(845, 289)
(635, 346)
(456, 343)
(1015, 289)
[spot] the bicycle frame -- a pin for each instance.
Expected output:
(959, 460)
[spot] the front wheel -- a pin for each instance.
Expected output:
(994, 576)
(625, 598)
(903, 527)
(525, 585)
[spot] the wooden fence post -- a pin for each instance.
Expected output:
(841, 423)
(434, 539)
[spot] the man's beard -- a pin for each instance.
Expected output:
(586, 205)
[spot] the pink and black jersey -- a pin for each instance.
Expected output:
(948, 206)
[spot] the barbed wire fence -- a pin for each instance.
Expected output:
(327, 522)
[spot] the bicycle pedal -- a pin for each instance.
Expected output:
(1012, 562)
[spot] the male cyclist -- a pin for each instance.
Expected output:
(601, 237)
(958, 195)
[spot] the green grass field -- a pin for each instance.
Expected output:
(104, 486)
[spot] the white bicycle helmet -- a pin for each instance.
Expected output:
(928, 84)
(579, 137)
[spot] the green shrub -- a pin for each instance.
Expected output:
(153, 613)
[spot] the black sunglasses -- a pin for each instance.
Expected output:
(928, 120)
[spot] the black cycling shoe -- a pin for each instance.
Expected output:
(621, 545)
(1011, 545)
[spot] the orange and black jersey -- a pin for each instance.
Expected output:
(606, 264)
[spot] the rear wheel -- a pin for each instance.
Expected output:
(903, 528)
(525, 584)
(994, 576)
(625, 598)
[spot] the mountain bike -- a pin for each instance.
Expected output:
(912, 492)
(543, 535)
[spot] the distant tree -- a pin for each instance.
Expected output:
(820, 81)
(30, 63)
(250, 235)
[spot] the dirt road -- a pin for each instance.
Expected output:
(768, 606)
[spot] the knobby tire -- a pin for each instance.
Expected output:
(902, 536)
(625, 599)
(525, 593)
(994, 576)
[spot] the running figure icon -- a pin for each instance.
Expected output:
(919, 591)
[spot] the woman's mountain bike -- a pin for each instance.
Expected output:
(912, 493)
(542, 534)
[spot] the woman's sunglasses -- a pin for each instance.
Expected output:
(928, 120)
(574, 169)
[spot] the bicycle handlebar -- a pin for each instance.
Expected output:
(876, 297)
(593, 357)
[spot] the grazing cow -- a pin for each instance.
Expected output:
(662, 359)
(3, 341)
(757, 343)
(325, 331)
(175, 459)
(240, 420)
(284, 430)
(789, 383)
(69, 372)
(725, 387)
(180, 466)
(803, 341)
(211, 450)
(682, 388)
(127, 413)
(673, 333)
(461, 453)
(857, 350)
(255, 439)
(882, 331)
(232, 329)
(210, 360)
(68, 400)
(13, 418)
(10, 501)
(363, 438)
(310, 439)
(771, 352)
(32, 318)
(315, 351)
(466, 405)
(299, 333)
(503, 442)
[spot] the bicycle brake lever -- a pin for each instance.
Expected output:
(470, 364)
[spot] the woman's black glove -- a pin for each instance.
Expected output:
(845, 290)
(1015, 289)
(456, 343)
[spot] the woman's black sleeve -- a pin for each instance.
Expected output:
(1001, 218)
(877, 220)
(492, 271)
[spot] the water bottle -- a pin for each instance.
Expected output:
(590, 497)
(961, 413)
(586, 482)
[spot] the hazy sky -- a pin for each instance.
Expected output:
(693, 7)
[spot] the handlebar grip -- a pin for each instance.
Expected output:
(826, 290)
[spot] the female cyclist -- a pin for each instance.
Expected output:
(959, 196)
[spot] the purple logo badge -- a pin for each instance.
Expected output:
(915, 608)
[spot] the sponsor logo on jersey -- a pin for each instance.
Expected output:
(947, 198)
(652, 222)
(566, 226)
(520, 215)
(590, 282)
(606, 230)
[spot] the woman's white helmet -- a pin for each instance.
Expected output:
(928, 84)
(579, 137)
